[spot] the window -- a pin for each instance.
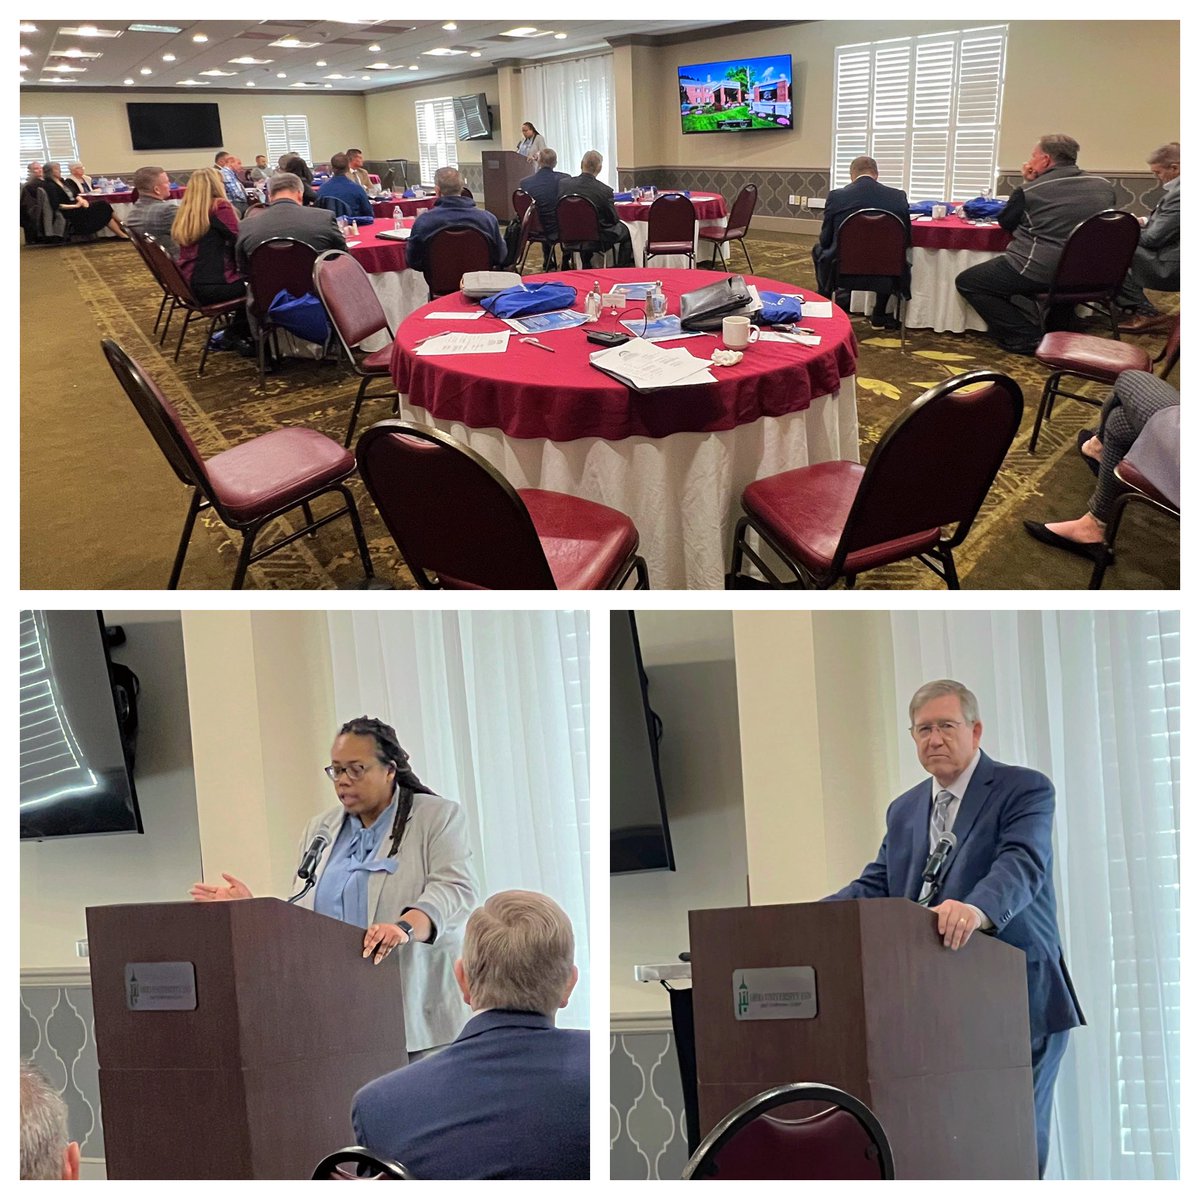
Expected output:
(573, 104)
(286, 135)
(927, 109)
(47, 139)
(436, 136)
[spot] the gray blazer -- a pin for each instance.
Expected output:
(433, 873)
(1161, 233)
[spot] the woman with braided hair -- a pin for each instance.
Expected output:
(397, 862)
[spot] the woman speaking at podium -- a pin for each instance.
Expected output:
(395, 860)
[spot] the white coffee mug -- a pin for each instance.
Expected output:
(939, 211)
(737, 333)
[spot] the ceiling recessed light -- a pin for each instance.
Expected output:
(414, 67)
(199, 37)
(335, 75)
(25, 52)
(450, 25)
(74, 52)
(28, 27)
(146, 71)
(248, 60)
(322, 63)
(292, 43)
(523, 31)
(217, 71)
(280, 75)
(88, 31)
(155, 29)
(193, 83)
(24, 67)
(129, 83)
(558, 37)
(378, 67)
(364, 77)
(168, 58)
(374, 49)
(65, 69)
(329, 85)
(476, 53)
(251, 83)
(442, 52)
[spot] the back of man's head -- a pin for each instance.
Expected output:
(284, 183)
(548, 158)
(1165, 156)
(220, 157)
(45, 1151)
(145, 179)
(591, 163)
(448, 181)
(339, 164)
(1060, 148)
(864, 164)
(519, 953)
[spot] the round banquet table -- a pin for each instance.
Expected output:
(710, 211)
(400, 290)
(406, 208)
(941, 250)
(674, 460)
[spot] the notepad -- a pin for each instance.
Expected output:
(465, 343)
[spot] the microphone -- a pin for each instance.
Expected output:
(308, 865)
(935, 867)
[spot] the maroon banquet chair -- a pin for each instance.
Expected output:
(139, 244)
(451, 253)
(1093, 265)
(735, 228)
(521, 200)
(579, 228)
(843, 1139)
(836, 519)
(277, 265)
(671, 228)
(533, 233)
(183, 297)
(355, 313)
(357, 1162)
(873, 244)
(460, 524)
(249, 485)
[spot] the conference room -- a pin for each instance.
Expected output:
(771, 442)
(922, 1006)
(233, 967)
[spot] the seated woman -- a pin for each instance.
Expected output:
(79, 182)
(297, 166)
(206, 231)
(1136, 397)
(81, 214)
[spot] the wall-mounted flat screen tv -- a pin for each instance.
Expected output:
(472, 118)
(743, 93)
(76, 730)
(175, 126)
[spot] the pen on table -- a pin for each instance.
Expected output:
(422, 341)
(539, 345)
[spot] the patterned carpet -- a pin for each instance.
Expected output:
(225, 407)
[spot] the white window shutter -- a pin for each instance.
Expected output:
(286, 135)
(437, 138)
(48, 139)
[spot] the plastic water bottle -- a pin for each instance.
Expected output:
(353, 227)
(594, 303)
(658, 301)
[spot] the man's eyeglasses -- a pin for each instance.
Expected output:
(355, 771)
(945, 728)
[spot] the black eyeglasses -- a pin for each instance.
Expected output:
(355, 771)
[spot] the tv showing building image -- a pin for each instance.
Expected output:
(744, 93)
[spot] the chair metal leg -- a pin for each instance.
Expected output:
(212, 326)
(248, 536)
(183, 332)
(357, 405)
(363, 552)
(1044, 408)
(643, 575)
(308, 517)
(735, 564)
(161, 306)
(184, 538)
(162, 337)
(749, 264)
(1110, 541)
(261, 339)
(947, 557)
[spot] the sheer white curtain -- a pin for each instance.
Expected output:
(1092, 700)
(573, 106)
(492, 708)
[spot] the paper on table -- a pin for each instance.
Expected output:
(816, 308)
(454, 316)
(356, 243)
(465, 343)
(547, 322)
(645, 365)
(802, 339)
(664, 329)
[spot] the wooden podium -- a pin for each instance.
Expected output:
(936, 1042)
(248, 1072)
(503, 171)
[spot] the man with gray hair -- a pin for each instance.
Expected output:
(612, 228)
(1040, 214)
(154, 212)
(999, 876)
(45, 1151)
(508, 1099)
(1156, 259)
(452, 210)
(543, 185)
(287, 217)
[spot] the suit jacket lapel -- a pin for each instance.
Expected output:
(973, 802)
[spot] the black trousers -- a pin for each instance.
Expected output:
(989, 289)
(609, 238)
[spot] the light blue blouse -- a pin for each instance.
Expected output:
(342, 889)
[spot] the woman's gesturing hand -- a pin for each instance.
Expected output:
(383, 939)
(236, 890)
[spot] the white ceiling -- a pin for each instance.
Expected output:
(343, 49)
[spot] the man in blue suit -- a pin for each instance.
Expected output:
(508, 1099)
(863, 191)
(543, 185)
(999, 878)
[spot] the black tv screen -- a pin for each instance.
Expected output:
(736, 94)
(75, 758)
(472, 118)
(640, 839)
(175, 126)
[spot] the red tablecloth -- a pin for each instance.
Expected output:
(709, 206)
(377, 254)
(408, 208)
(528, 393)
(127, 197)
(950, 233)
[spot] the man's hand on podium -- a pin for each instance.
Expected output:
(236, 890)
(956, 922)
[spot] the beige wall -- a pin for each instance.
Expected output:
(1061, 76)
(102, 127)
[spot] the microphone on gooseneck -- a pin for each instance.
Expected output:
(308, 865)
(935, 868)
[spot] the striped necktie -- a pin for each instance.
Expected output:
(938, 825)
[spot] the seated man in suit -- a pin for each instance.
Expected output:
(359, 173)
(154, 211)
(230, 167)
(452, 210)
(612, 228)
(339, 185)
(1000, 876)
(285, 216)
(863, 191)
(45, 1151)
(508, 1099)
(1156, 259)
(542, 185)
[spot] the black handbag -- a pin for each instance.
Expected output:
(707, 307)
